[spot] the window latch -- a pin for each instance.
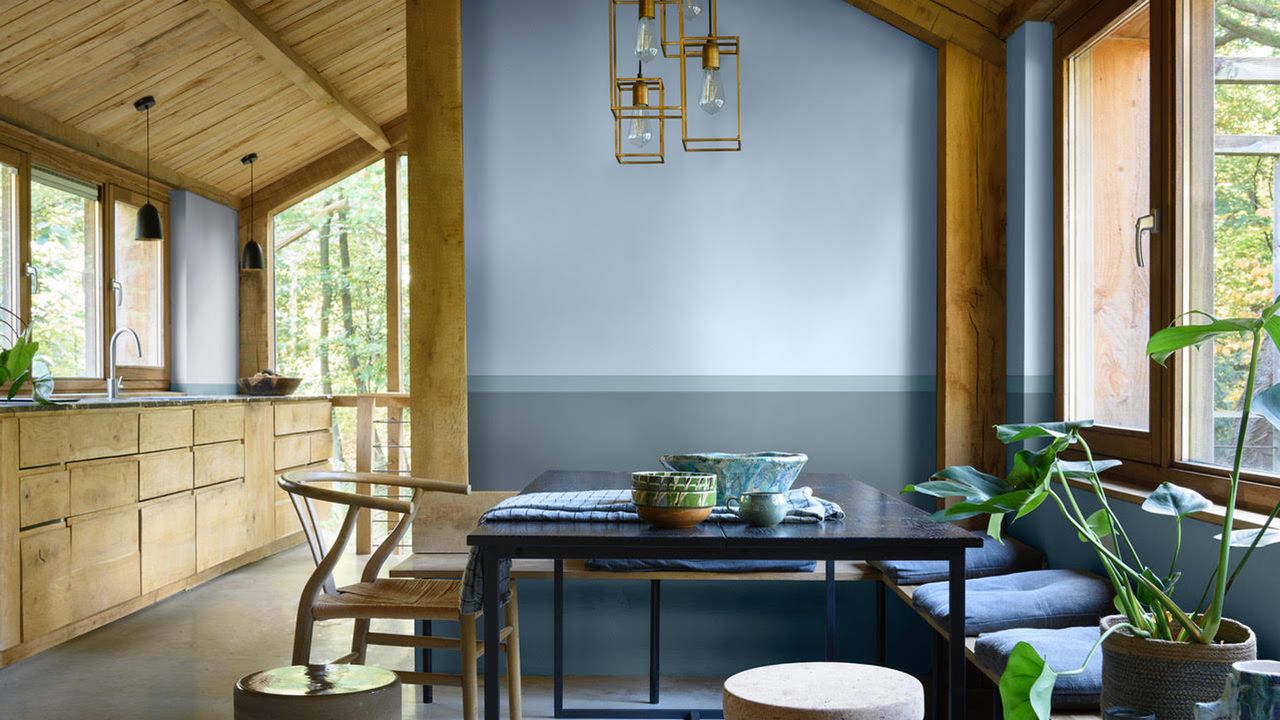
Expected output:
(1145, 224)
(117, 290)
(34, 273)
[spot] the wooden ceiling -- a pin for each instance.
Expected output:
(291, 80)
(83, 63)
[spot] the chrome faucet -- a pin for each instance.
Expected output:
(114, 383)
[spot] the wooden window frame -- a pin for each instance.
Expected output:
(1149, 458)
(113, 181)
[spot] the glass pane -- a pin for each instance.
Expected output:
(66, 292)
(1233, 79)
(402, 224)
(8, 251)
(1108, 189)
(139, 292)
(330, 263)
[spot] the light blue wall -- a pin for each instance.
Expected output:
(203, 294)
(781, 297)
(1030, 282)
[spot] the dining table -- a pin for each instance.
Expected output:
(875, 526)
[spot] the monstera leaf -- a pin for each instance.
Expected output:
(1176, 501)
(1245, 538)
(1176, 337)
(1026, 686)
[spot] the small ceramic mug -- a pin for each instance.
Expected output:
(759, 509)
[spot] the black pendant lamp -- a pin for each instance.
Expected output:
(149, 226)
(251, 256)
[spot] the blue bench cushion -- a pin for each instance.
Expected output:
(1064, 649)
(993, 558)
(1034, 599)
(720, 566)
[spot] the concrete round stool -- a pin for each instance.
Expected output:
(319, 692)
(823, 691)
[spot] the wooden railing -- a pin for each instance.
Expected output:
(394, 442)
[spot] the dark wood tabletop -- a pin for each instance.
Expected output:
(872, 520)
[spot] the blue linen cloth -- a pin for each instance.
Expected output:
(1034, 599)
(1064, 649)
(601, 506)
(711, 566)
(993, 558)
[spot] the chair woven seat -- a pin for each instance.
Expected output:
(392, 599)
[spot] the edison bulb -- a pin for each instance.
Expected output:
(646, 39)
(641, 132)
(712, 97)
(693, 8)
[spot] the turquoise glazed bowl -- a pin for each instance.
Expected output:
(681, 481)
(738, 473)
(673, 498)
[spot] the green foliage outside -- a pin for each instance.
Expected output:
(64, 248)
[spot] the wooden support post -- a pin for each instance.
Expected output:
(437, 283)
(971, 268)
(364, 463)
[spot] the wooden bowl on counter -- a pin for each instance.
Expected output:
(269, 385)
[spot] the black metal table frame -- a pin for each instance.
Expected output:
(949, 694)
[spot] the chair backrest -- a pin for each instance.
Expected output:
(305, 487)
(444, 520)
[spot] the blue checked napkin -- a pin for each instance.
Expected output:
(603, 506)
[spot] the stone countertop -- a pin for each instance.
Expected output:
(142, 400)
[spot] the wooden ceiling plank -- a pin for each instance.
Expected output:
(286, 60)
(55, 36)
(1024, 11)
(975, 11)
(936, 24)
(50, 128)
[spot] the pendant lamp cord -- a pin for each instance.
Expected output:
(252, 212)
(148, 155)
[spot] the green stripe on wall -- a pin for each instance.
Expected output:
(699, 383)
(1029, 384)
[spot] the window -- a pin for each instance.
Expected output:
(137, 285)
(329, 264)
(66, 307)
(9, 228)
(402, 227)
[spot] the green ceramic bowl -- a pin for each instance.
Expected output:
(679, 481)
(673, 498)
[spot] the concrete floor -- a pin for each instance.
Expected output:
(180, 658)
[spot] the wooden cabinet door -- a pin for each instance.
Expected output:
(163, 473)
(168, 541)
(102, 485)
(46, 581)
(43, 497)
(220, 529)
(218, 423)
(218, 463)
(105, 560)
(164, 429)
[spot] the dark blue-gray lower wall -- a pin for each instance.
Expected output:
(882, 436)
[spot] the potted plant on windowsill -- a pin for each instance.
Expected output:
(1158, 655)
(19, 364)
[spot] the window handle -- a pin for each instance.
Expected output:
(117, 291)
(1145, 224)
(34, 273)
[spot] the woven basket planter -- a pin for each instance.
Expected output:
(1169, 678)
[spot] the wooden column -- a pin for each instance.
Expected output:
(437, 287)
(256, 321)
(971, 267)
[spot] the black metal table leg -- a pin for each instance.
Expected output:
(422, 657)
(492, 625)
(557, 625)
(831, 610)
(938, 703)
(655, 638)
(956, 657)
(882, 650)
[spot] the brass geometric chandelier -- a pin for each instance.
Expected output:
(639, 102)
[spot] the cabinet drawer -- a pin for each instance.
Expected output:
(164, 473)
(76, 435)
(293, 451)
(43, 497)
(168, 541)
(105, 561)
(220, 533)
(46, 581)
(103, 484)
(164, 429)
(218, 423)
(321, 446)
(300, 417)
(216, 463)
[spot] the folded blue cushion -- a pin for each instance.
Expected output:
(1064, 649)
(1034, 599)
(993, 558)
(720, 566)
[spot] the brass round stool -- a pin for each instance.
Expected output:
(319, 692)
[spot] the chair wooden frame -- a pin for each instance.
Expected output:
(384, 598)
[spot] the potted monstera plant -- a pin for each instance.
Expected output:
(19, 364)
(1159, 655)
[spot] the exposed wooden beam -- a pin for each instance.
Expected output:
(971, 271)
(437, 276)
(1025, 11)
(1246, 70)
(936, 24)
(242, 21)
(50, 128)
